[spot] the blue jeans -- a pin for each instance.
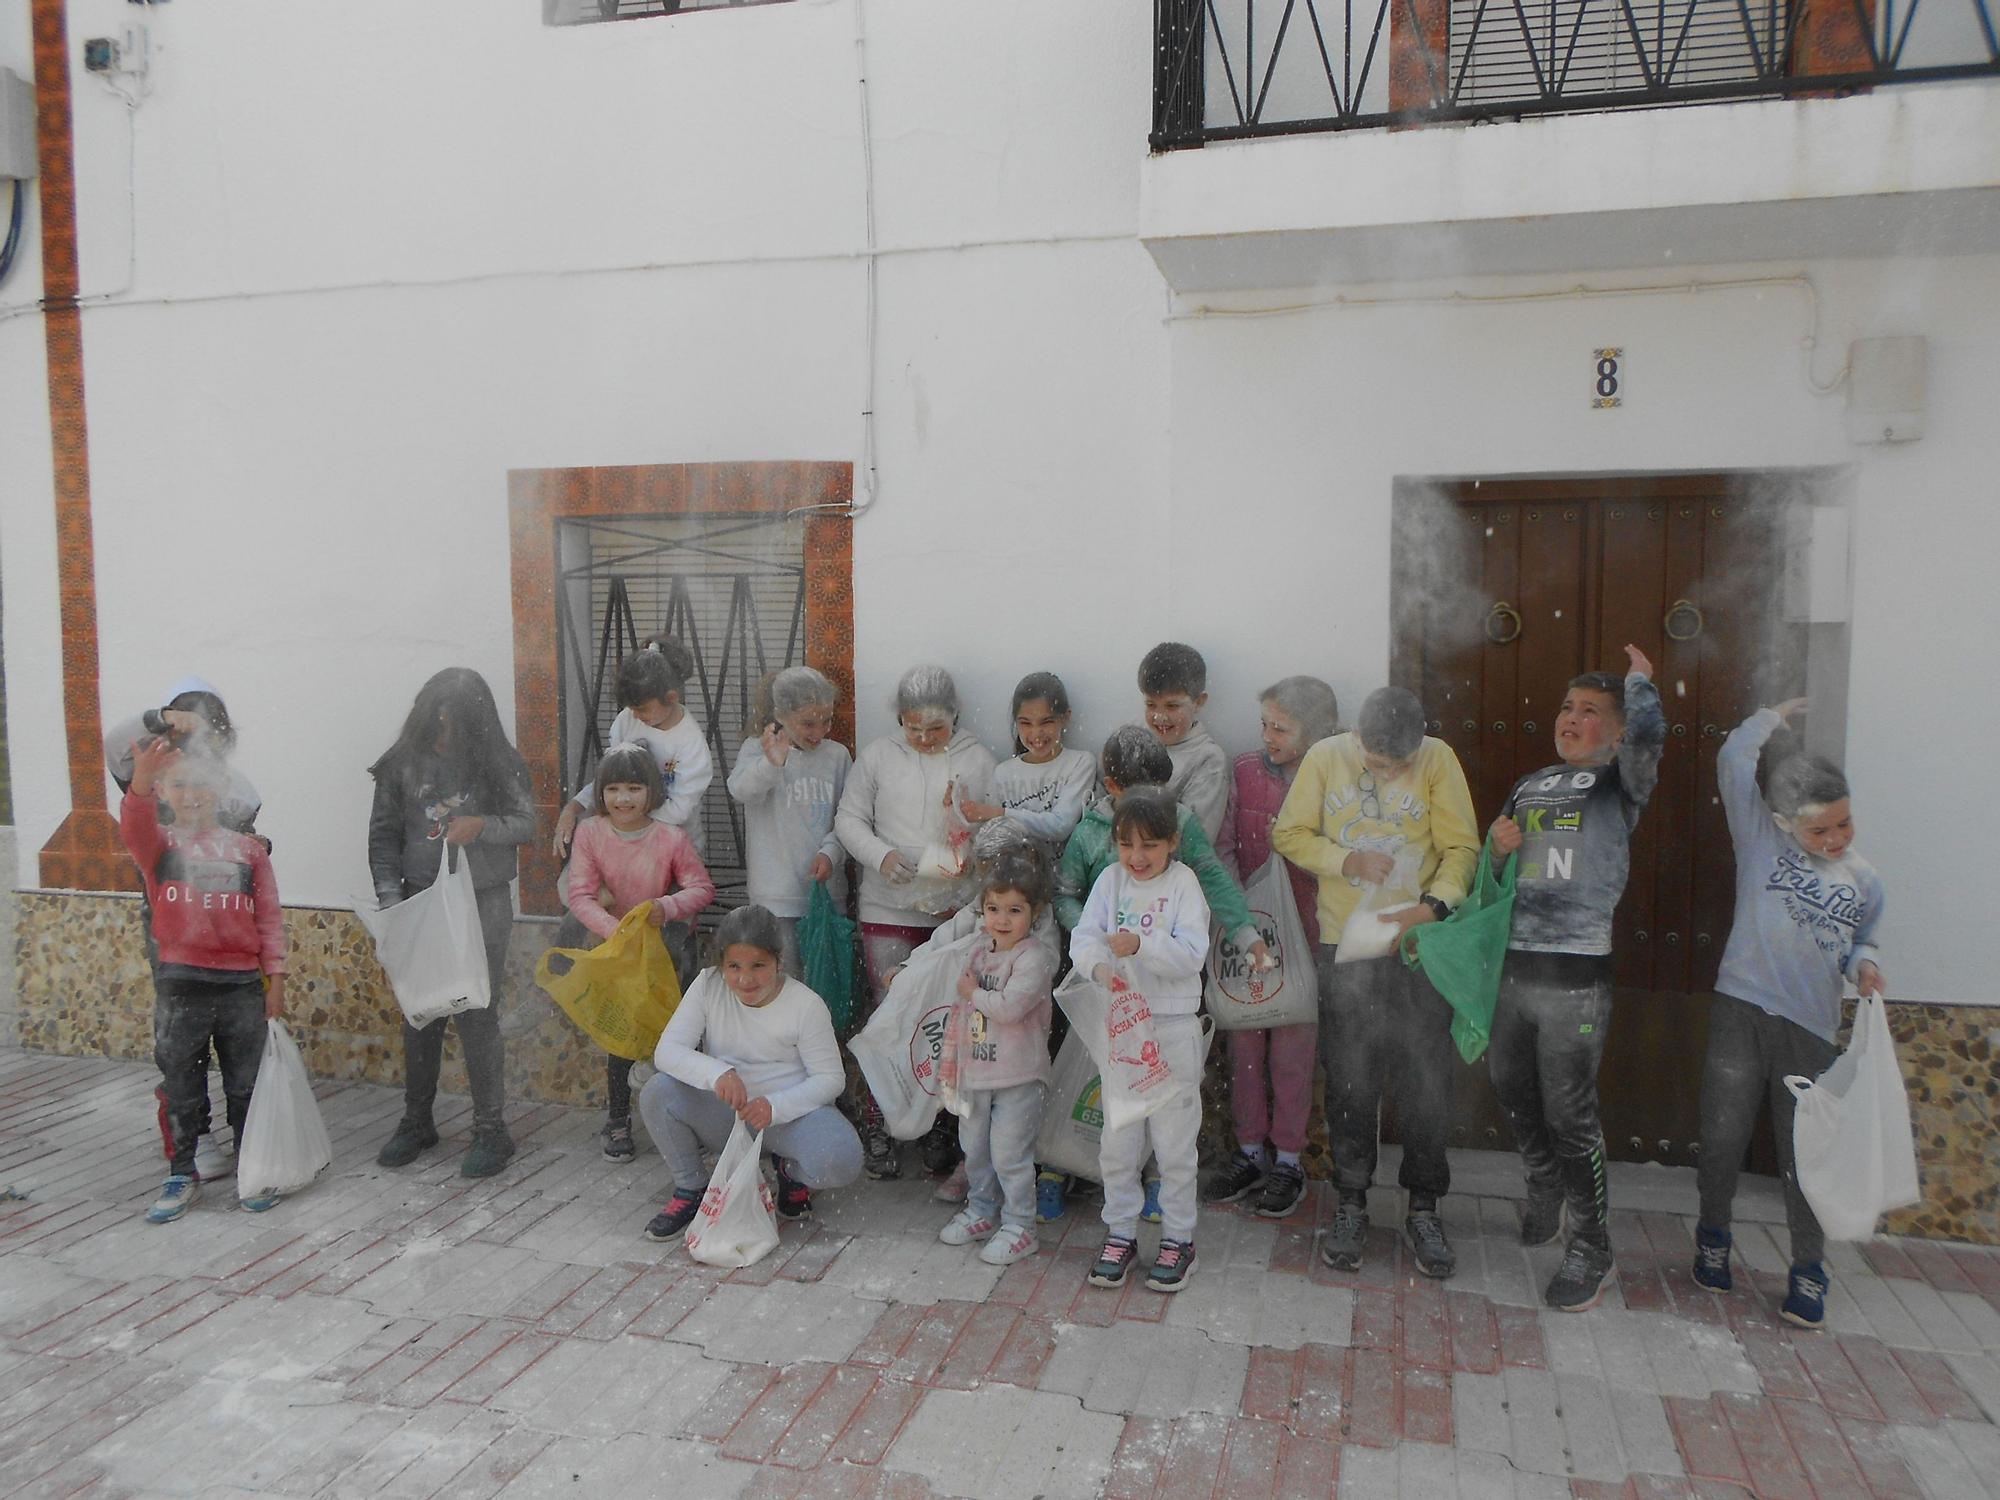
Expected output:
(998, 1139)
(820, 1149)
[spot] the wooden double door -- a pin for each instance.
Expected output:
(1507, 589)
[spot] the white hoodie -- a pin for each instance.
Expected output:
(1169, 914)
(895, 801)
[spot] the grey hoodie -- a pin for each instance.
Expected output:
(789, 812)
(1201, 779)
(895, 801)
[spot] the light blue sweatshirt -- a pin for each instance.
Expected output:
(1802, 922)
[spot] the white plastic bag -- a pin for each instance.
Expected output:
(1117, 1029)
(285, 1144)
(1367, 933)
(1073, 1123)
(1242, 997)
(430, 946)
(954, 1052)
(1856, 1156)
(898, 1048)
(737, 1223)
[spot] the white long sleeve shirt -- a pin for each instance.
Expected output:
(1170, 915)
(784, 1051)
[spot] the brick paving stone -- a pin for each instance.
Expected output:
(395, 1350)
(1933, 1378)
(1368, 1474)
(825, 1416)
(1535, 1426)
(926, 1350)
(1373, 1402)
(1887, 1390)
(497, 1466)
(1520, 1333)
(765, 1424)
(1777, 1363)
(513, 1356)
(787, 1320)
(1828, 1467)
(811, 1260)
(1307, 1466)
(1264, 1310)
(682, 1294)
(1268, 1382)
(1250, 1459)
(1145, 1371)
(1707, 1443)
(1645, 1436)
(1475, 1339)
(1979, 1375)
(1479, 1414)
(1025, 1353)
(1426, 1404)
(740, 1390)
(892, 1329)
(1980, 1442)
(1322, 1392)
(1879, 1456)
(1939, 1463)
(876, 1425)
(978, 1346)
(1767, 1453)
(592, 1297)
(1002, 1442)
(1194, 1458)
(630, 1384)
(1137, 1460)
(1374, 1318)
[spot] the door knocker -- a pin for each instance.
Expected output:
(1682, 610)
(1503, 616)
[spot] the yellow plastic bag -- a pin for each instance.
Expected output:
(622, 992)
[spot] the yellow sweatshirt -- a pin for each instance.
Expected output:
(1334, 809)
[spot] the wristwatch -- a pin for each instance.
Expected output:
(1438, 908)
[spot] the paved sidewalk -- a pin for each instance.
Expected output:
(413, 1334)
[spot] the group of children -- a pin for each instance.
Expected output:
(1122, 864)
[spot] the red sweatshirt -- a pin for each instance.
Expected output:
(214, 897)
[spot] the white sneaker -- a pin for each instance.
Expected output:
(965, 1227)
(214, 1158)
(1008, 1246)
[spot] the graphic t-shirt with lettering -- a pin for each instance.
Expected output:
(1576, 835)
(1802, 922)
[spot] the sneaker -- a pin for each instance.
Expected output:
(1580, 1280)
(618, 1141)
(259, 1203)
(1541, 1218)
(955, 1188)
(1805, 1297)
(1151, 1211)
(1424, 1232)
(1173, 1266)
(1241, 1178)
(491, 1151)
(1114, 1261)
(1711, 1258)
(878, 1152)
(939, 1146)
(213, 1158)
(1009, 1245)
(794, 1198)
(672, 1221)
(967, 1226)
(1050, 1189)
(177, 1195)
(1341, 1248)
(1284, 1189)
(411, 1140)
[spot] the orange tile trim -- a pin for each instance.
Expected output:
(84, 853)
(538, 498)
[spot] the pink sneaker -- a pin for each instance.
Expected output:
(955, 1188)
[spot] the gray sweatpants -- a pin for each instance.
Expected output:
(998, 1139)
(820, 1149)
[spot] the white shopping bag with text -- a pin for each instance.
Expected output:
(1856, 1157)
(737, 1223)
(431, 947)
(1243, 997)
(1073, 1122)
(898, 1048)
(1117, 1028)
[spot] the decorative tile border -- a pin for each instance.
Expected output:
(84, 989)
(538, 498)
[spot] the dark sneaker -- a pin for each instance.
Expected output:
(1242, 1177)
(672, 1221)
(1580, 1280)
(1711, 1258)
(1541, 1219)
(1423, 1231)
(794, 1198)
(177, 1195)
(1172, 1267)
(939, 1146)
(1283, 1190)
(411, 1140)
(618, 1141)
(1050, 1190)
(491, 1150)
(1114, 1261)
(1805, 1297)
(1345, 1235)
(878, 1152)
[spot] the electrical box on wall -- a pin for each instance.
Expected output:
(1816, 565)
(18, 158)
(1885, 390)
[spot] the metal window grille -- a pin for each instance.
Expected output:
(1501, 50)
(586, 12)
(729, 586)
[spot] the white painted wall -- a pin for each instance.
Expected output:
(388, 253)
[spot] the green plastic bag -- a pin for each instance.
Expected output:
(1462, 955)
(826, 954)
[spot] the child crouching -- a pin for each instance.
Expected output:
(1146, 918)
(1004, 1067)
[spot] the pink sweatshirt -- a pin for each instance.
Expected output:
(1011, 1015)
(1256, 792)
(610, 873)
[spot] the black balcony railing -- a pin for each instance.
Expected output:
(1232, 69)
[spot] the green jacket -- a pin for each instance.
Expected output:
(1090, 852)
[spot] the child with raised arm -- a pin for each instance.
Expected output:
(789, 777)
(1173, 681)
(624, 859)
(1572, 824)
(221, 939)
(652, 689)
(747, 1043)
(1004, 1072)
(1271, 1072)
(1806, 911)
(1146, 918)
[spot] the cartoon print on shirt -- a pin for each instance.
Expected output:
(439, 809)
(1141, 918)
(1399, 813)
